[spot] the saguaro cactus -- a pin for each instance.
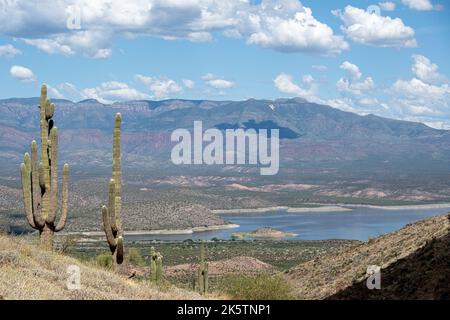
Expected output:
(203, 271)
(156, 266)
(40, 178)
(112, 222)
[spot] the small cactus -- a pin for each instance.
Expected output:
(203, 271)
(156, 266)
(40, 178)
(112, 222)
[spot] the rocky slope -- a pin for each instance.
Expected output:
(152, 215)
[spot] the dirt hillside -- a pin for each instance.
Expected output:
(414, 261)
(241, 264)
(29, 273)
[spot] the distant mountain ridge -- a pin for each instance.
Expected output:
(310, 132)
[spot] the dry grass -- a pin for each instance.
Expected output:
(328, 274)
(241, 264)
(257, 287)
(26, 272)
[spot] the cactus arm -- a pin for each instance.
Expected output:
(118, 220)
(36, 191)
(49, 110)
(27, 162)
(54, 176)
(45, 194)
(107, 227)
(65, 199)
(119, 250)
(26, 190)
(41, 176)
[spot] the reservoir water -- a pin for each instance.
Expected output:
(358, 224)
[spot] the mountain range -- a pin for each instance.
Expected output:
(310, 133)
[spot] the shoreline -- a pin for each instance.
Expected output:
(337, 207)
(326, 208)
(162, 231)
(404, 207)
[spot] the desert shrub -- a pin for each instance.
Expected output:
(66, 243)
(259, 287)
(134, 257)
(104, 260)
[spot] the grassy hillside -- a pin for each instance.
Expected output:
(29, 273)
(414, 261)
(414, 264)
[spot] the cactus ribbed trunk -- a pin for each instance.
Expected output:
(112, 222)
(203, 271)
(46, 238)
(40, 178)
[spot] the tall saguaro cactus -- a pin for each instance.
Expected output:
(40, 178)
(112, 222)
(203, 271)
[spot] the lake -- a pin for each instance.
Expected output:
(358, 224)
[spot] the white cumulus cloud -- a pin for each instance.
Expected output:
(376, 30)
(284, 25)
(22, 73)
(108, 92)
(308, 91)
(161, 88)
(425, 70)
(420, 5)
(354, 84)
(217, 82)
(387, 6)
(288, 26)
(352, 69)
(425, 97)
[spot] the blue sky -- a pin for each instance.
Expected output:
(394, 63)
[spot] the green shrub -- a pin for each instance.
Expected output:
(134, 257)
(104, 260)
(259, 287)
